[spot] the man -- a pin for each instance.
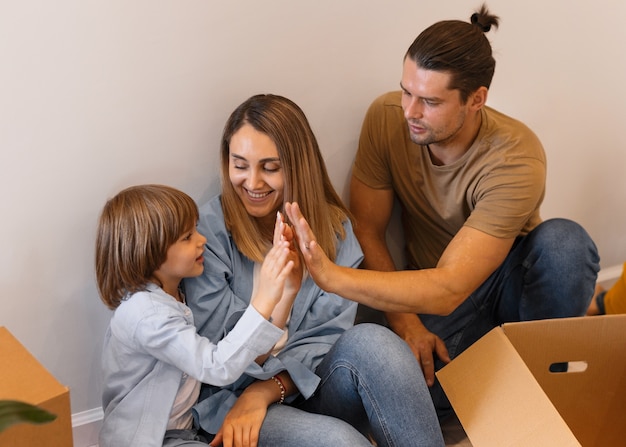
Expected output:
(470, 182)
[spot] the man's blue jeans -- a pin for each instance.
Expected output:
(549, 273)
(370, 380)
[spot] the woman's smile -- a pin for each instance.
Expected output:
(256, 172)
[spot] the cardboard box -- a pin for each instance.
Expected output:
(505, 394)
(23, 378)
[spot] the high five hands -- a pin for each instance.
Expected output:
(286, 234)
(319, 266)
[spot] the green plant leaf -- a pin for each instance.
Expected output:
(14, 412)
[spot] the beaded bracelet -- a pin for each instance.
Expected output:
(282, 388)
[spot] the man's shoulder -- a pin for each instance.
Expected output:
(502, 121)
(503, 131)
(389, 99)
(385, 111)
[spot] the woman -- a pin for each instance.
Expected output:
(324, 371)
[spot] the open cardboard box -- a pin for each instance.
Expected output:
(505, 394)
(23, 378)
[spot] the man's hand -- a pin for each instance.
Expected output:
(424, 343)
(316, 261)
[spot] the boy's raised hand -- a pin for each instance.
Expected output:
(275, 270)
(284, 232)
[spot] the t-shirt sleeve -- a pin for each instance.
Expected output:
(371, 165)
(508, 198)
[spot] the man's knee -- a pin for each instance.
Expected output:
(565, 236)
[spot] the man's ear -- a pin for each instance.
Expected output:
(478, 99)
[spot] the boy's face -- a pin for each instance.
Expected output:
(184, 260)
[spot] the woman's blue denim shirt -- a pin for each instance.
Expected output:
(220, 295)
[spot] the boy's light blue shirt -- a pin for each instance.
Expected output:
(151, 341)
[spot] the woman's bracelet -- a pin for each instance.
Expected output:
(282, 388)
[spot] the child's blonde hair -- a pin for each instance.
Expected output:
(135, 230)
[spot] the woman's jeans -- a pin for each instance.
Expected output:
(371, 380)
(186, 438)
(549, 273)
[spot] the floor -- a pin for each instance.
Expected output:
(454, 435)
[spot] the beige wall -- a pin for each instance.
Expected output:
(97, 95)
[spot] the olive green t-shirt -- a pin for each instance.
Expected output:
(496, 187)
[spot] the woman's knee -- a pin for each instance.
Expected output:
(375, 345)
(367, 336)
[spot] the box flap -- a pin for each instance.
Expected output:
(22, 376)
(497, 399)
(591, 394)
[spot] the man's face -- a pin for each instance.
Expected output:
(434, 113)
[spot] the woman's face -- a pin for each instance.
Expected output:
(256, 173)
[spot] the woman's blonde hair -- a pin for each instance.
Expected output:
(305, 177)
(135, 230)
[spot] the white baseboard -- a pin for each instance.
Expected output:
(85, 427)
(609, 275)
